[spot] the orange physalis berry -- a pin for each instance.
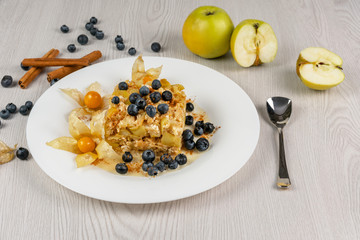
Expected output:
(92, 99)
(86, 144)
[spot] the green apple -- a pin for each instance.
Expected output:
(253, 42)
(319, 69)
(207, 32)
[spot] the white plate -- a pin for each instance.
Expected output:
(225, 102)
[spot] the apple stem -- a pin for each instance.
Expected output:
(339, 67)
(256, 26)
(209, 13)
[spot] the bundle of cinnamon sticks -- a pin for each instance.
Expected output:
(69, 65)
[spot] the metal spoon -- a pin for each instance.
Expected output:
(279, 110)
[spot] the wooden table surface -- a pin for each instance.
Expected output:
(322, 138)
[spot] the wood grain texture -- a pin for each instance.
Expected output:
(322, 138)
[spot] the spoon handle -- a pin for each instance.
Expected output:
(283, 177)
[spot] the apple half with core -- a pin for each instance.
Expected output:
(253, 42)
(207, 32)
(319, 69)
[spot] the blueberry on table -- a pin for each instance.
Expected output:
(99, 34)
(209, 127)
(133, 110)
(6, 81)
(189, 107)
(11, 107)
(140, 102)
(173, 164)
(181, 159)
(189, 120)
(127, 157)
(163, 108)
(148, 155)
(23, 110)
(161, 166)
(82, 39)
(144, 90)
(132, 51)
(123, 86)
(22, 153)
(155, 46)
(119, 39)
(189, 144)
(52, 82)
(166, 95)
(198, 131)
(199, 124)
(93, 20)
(187, 135)
(202, 144)
(121, 168)
(89, 26)
(155, 97)
(153, 171)
(29, 104)
(150, 111)
(133, 97)
(24, 68)
(115, 100)
(146, 166)
(156, 84)
(64, 28)
(71, 48)
(166, 158)
(93, 31)
(120, 46)
(4, 114)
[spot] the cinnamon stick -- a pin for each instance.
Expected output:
(50, 62)
(64, 71)
(33, 72)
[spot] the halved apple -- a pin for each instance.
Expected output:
(319, 69)
(253, 42)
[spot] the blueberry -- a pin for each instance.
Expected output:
(181, 159)
(127, 157)
(53, 81)
(166, 95)
(189, 120)
(123, 86)
(151, 111)
(4, 114)
(93, 31)
(146, 166)
(71, 48)
(24, 110)
(29, 104)
(144, 90)
(89, 26)
(153, 171)
(121, 168)
(198, 131)
(155, 97)
(115, 100)
(189, 144)
(82, 39)
(148, 155)
(161, 166)
(199, 124)
(187, 135)
(155, 46)
(22, 153)
(140, 102)
(93, 20)
(189, 107)
(119, 39)
(24, 68)
(202, 144)
(166, 158)
(173, 164)
(132, 110)
(6, 81)
(163, 108)
(133, 97)
(64, 28)
(11, 107)
(156, 84)
(209, 127)
(99, 35)
(132, 51)
(120, 46)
